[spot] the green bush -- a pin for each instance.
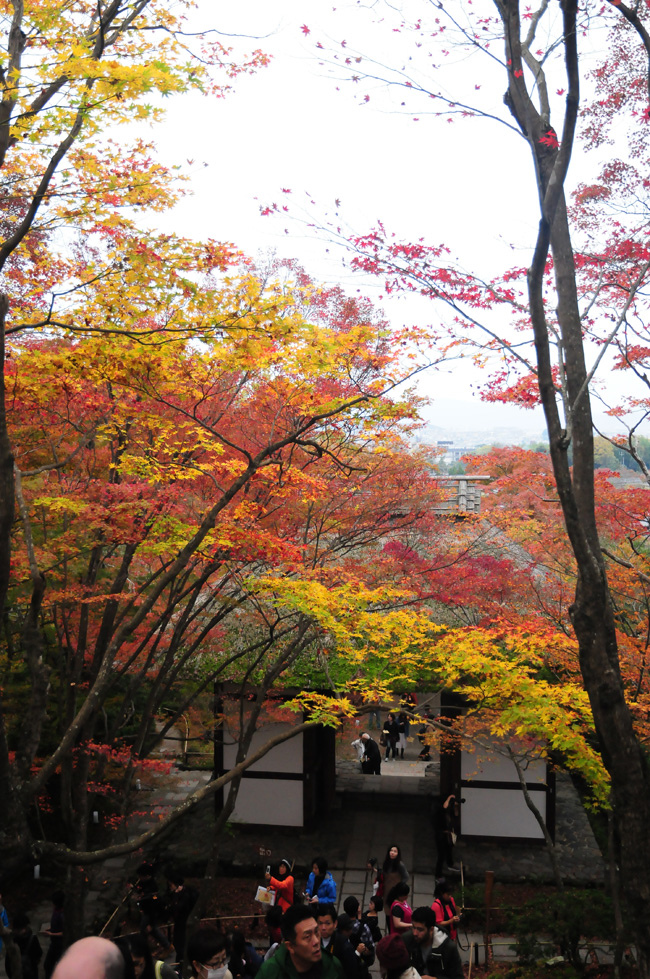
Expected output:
(563, 921)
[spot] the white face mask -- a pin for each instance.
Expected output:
(216, 973)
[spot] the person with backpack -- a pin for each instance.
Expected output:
(358, 934)
(371, 918)
(444, 907)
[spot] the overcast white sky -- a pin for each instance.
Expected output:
(288, 126)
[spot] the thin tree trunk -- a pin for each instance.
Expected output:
(550, 844)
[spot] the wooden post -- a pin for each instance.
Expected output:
(489, 884)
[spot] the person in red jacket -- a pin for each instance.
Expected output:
(283, 885)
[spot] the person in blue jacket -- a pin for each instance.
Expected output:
(321, 886)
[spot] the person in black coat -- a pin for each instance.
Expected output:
(391, 736)
(180, 901)
(444, 816)
(333, 942)
(371, 762)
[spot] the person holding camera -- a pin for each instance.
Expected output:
(445, 830)
(445, 910)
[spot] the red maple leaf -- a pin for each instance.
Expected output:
(550, 139)
(305, 30)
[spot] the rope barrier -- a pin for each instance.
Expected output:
(169, 924)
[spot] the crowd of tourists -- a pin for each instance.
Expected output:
(308, 938)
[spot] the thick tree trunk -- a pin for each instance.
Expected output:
(591, 614)
(7, 498)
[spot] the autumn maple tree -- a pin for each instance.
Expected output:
(175, 423)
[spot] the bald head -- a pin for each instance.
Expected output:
(92, 958)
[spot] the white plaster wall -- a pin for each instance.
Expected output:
(497, 768)
(274, 802)
(500, 812)
(285, 757)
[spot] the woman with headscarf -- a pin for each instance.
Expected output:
(283, 885)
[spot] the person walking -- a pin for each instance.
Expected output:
(403, 728)
(393, 870)
(391, 736)
(55, 934)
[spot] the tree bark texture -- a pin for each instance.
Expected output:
(591, 613)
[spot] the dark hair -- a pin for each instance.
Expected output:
(203, 944)
(442, 887)
(58, 899)
(351, 906)
(321, 863)
(378, 902)
(139, 946)
(391, 865)
(425, 916)
(237, 942)
(273, 916)
(292, 917)
(344, 922)
(326, 910)
(401, 889)
(120, 965)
